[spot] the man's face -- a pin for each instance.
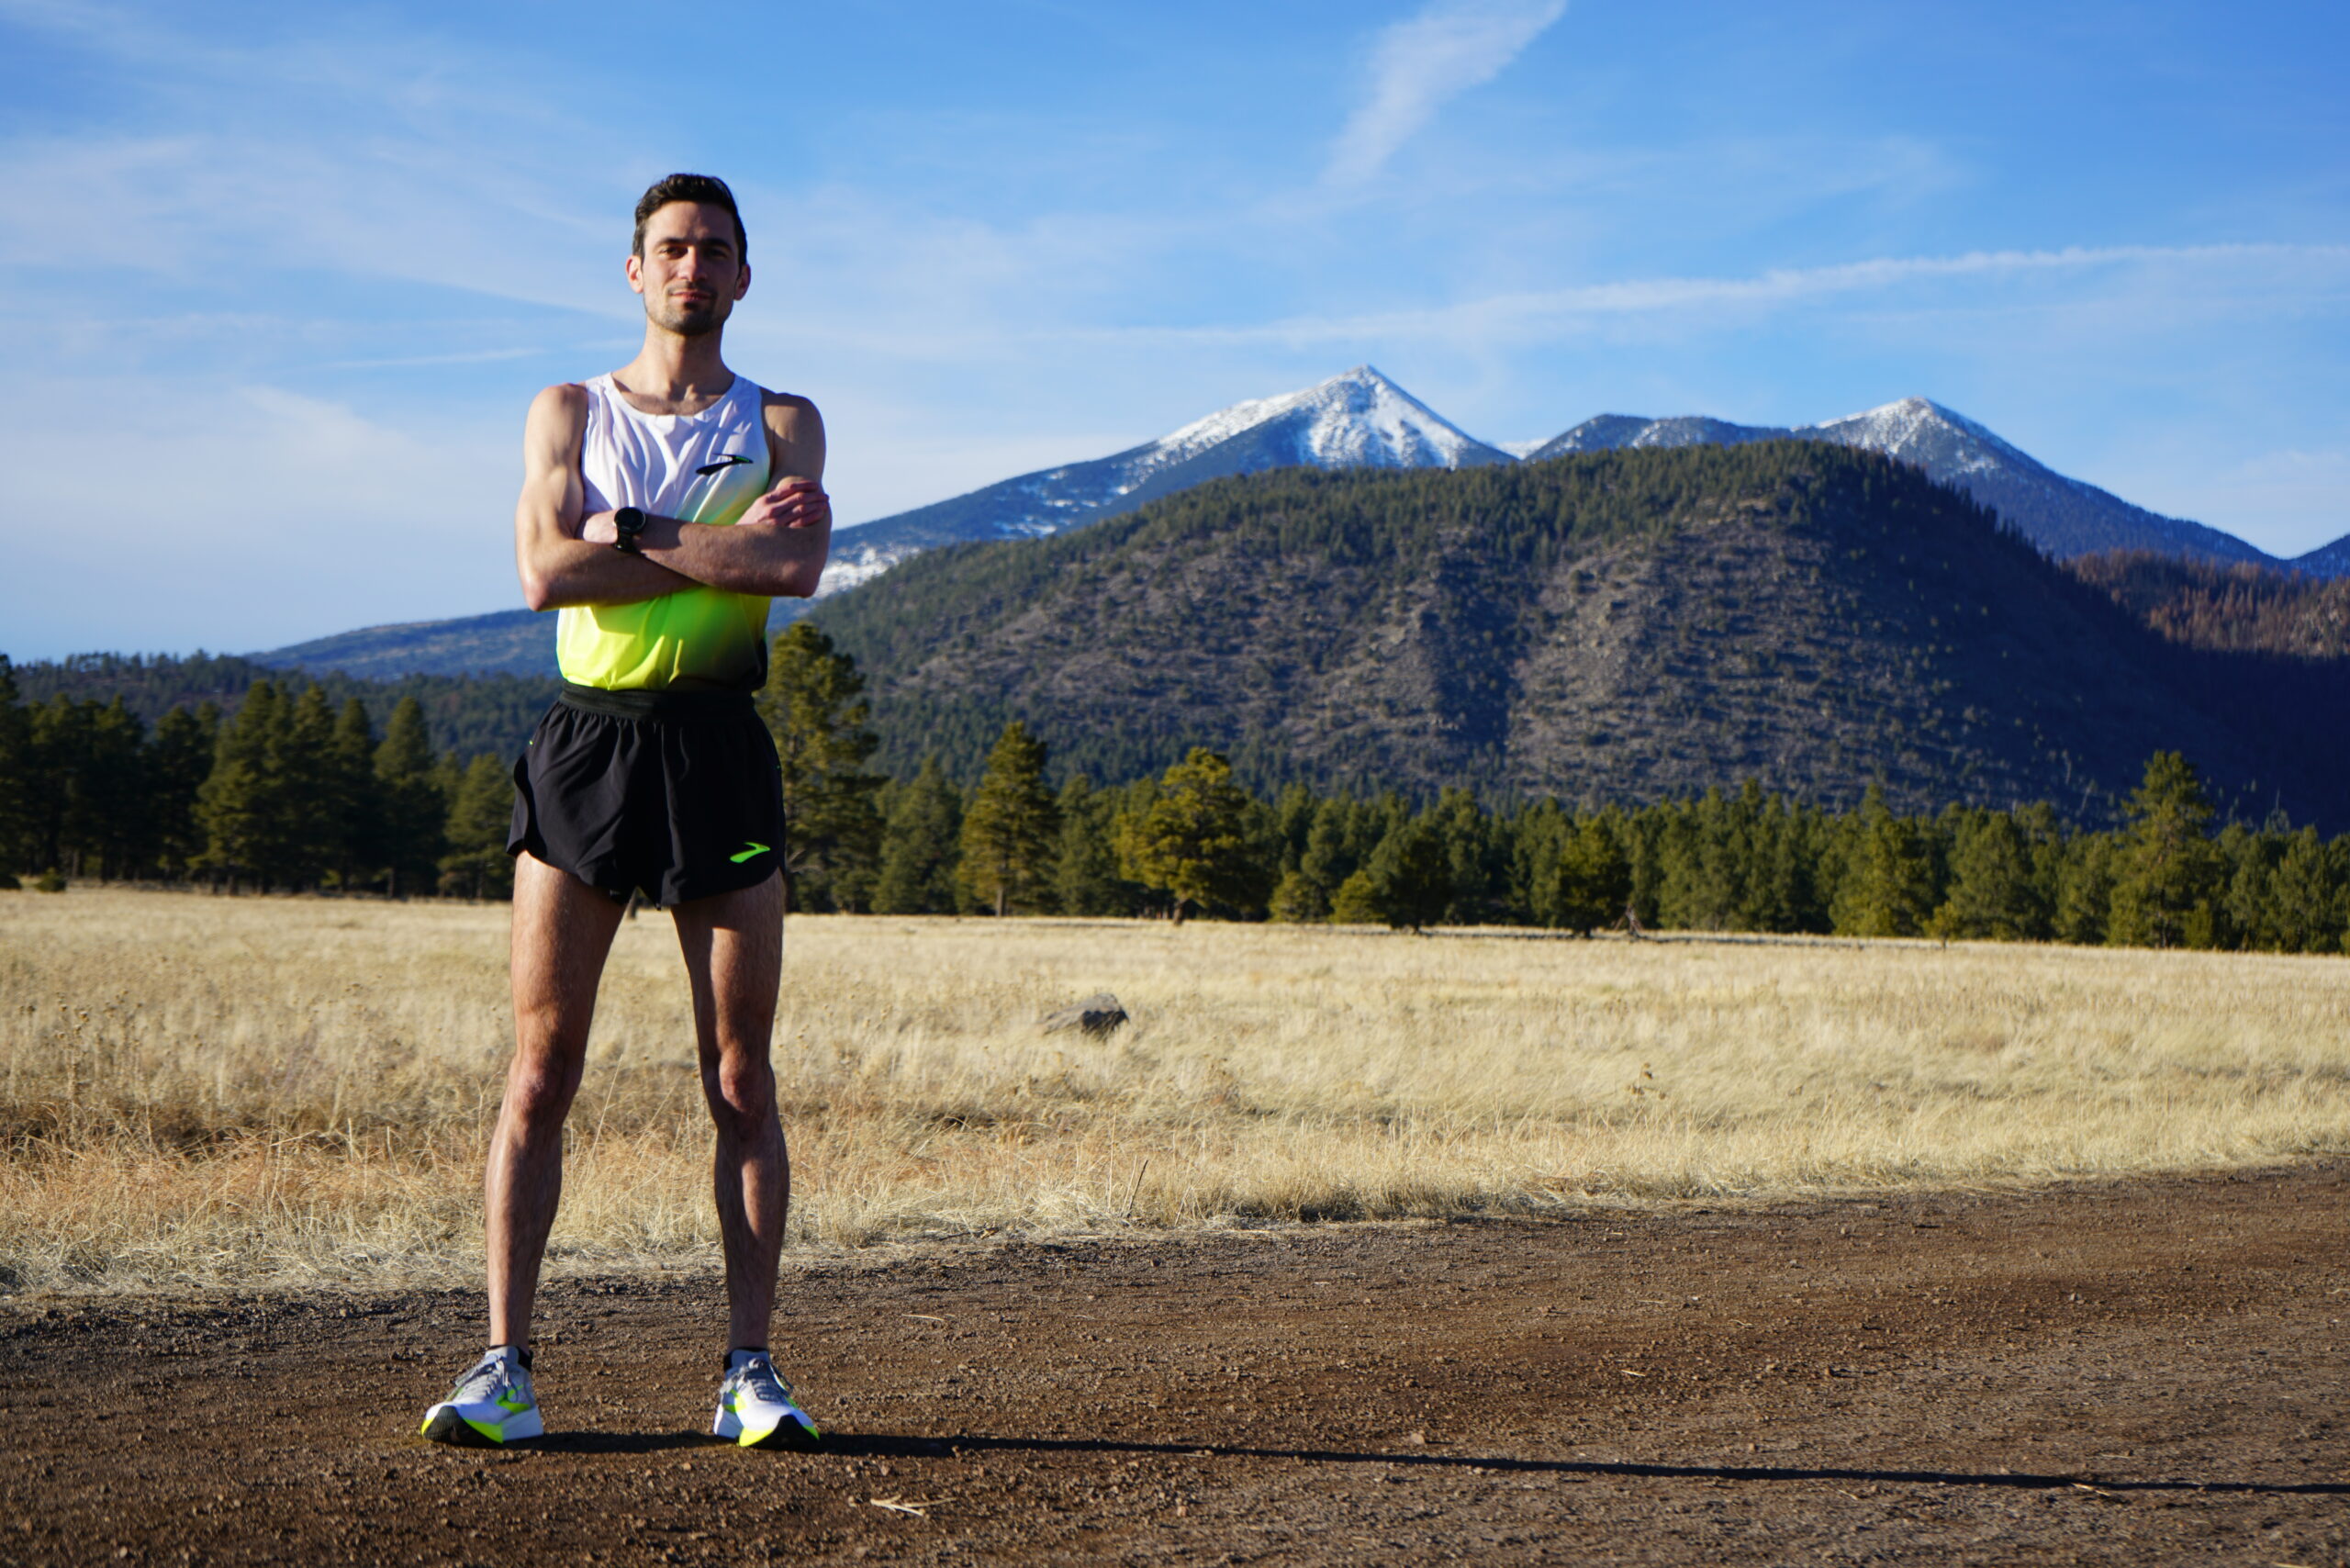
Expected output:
(692, 271)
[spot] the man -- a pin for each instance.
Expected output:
(662, 506)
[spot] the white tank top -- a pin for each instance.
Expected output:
(706, 467)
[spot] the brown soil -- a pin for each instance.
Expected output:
(2129, 1373)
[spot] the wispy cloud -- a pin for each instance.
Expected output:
(1417, 64)
(1537, 311)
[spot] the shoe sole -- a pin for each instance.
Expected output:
(790, 1435)
(448, 1427)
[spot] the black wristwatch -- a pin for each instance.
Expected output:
(628, 524)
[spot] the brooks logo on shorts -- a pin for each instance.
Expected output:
(753, 847)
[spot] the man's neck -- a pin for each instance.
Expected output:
(674, 374)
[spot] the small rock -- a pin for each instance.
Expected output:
(1098, 1014)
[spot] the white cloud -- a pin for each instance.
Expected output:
(1417, 64)
(1531, 314)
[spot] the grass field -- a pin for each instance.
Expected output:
(263, 1092)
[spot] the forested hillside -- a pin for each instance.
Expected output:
(1616, 627)
(465, 715)
(2242, 606)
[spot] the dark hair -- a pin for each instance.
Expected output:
(706, 190)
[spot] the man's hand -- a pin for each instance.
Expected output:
(598, 528)
(795, 503)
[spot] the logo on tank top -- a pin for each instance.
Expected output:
(719, 466)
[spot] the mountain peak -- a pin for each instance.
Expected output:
(1356, 418)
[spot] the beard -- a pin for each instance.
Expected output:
(688, 320)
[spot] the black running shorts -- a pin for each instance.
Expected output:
(676, 793)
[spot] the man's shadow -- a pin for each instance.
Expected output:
(902, 1445)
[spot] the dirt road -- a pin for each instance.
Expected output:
(2140, 1373)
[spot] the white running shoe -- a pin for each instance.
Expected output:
(758, 1408)
(491, 1406)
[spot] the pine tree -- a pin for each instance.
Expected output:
(2306, 896)
(179, 757)
(1411, 873)
(1086, 865)
(1011, 827)
(1994, 889)
(1889, 888)
(1356, 903)
(1594, 879)
(1191, 843)
(302, 764)
(238, 805)
(919, 839)
(354, 811)
(16, 781)
(2086, 870)
(481, 811)
(2168, 880)
(815, 708)
(413, 807)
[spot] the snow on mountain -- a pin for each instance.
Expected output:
(2064, 517)
(1360, 419)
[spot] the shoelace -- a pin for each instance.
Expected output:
(483, 1384)
(766, 1385)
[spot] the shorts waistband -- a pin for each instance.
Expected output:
(656, 704)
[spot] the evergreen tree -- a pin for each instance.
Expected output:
(304, 762)
(1011, 827)
(2168, 882)
(2085, 869)
(179, 757)
(1995, 890)
(238, 805)
(412, 807)
(1890, 887)
(1191, 843)
(1086, 865)
(1593, 881)
(355, 812)
(815, 707)
(16, 781)
(2306, 905)
(919, 842)
(481, 813)
(1356, 903)
(1410, 873)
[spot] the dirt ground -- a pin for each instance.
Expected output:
(2150, 1372)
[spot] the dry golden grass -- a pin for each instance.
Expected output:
(258, 1092)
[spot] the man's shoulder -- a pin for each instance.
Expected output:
(564, 397)
(788, 402)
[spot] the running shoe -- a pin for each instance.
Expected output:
(491, 1406)
(758, 1408)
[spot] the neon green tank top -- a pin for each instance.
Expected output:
(706, 467)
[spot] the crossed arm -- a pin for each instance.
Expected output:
(565, 554)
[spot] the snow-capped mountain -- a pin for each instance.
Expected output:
(1360, 419)
(2064, 517)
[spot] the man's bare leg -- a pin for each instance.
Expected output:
(563, 930)
(733, 948)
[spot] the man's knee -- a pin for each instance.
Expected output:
(741, 1088)
(540, 1087)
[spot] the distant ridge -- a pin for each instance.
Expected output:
(1624, 627)
(2064, 517)
(1356, 419)
(507, 642)
(1360, 419)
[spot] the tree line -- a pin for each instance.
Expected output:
(1192, 841)
(291, 792)
(288, 792)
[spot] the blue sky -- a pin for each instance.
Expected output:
(277, 281)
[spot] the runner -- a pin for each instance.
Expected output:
(662, 506)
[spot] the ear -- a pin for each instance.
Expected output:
(742, 283)
(635, 266)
